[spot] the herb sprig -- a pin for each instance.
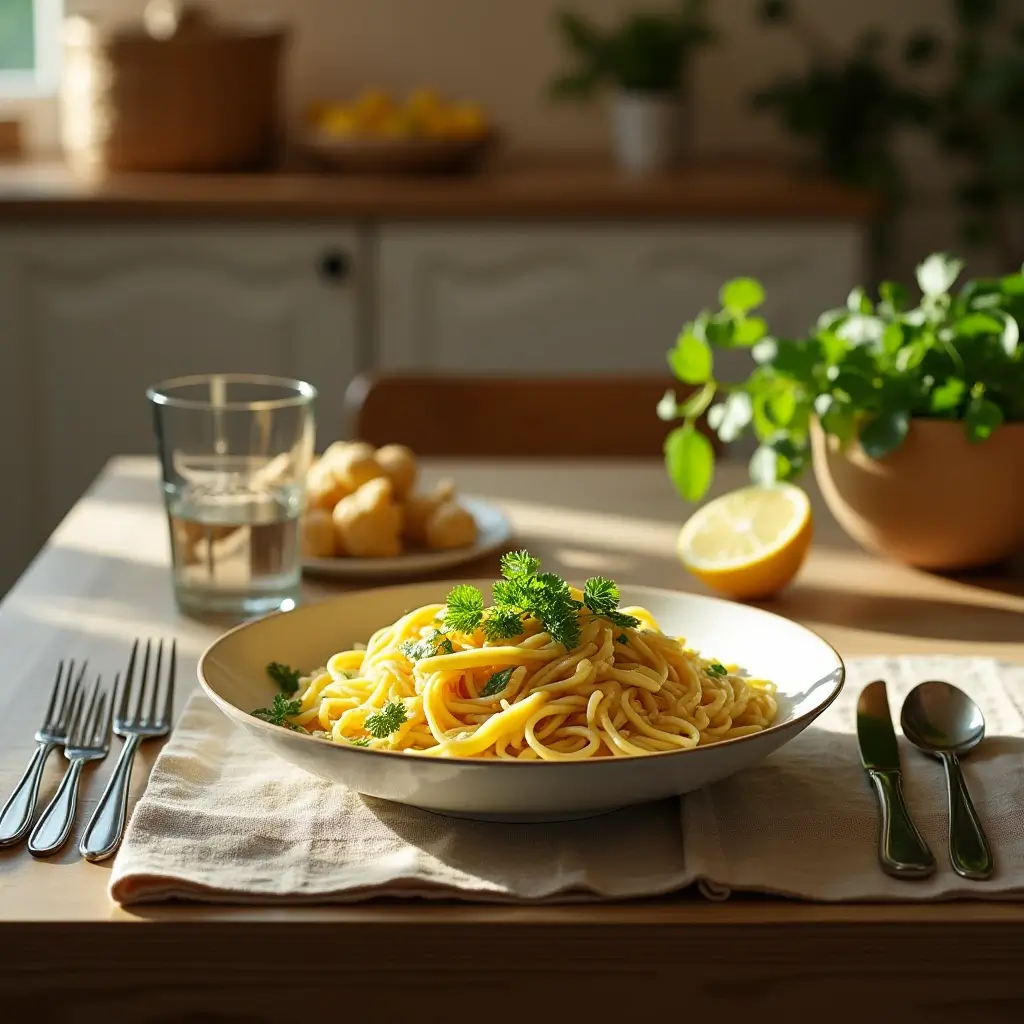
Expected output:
(497, 682)
(863, 372)
(285, 676)
(279, 712)
(434, 643)
(524, 592)
(387, 720)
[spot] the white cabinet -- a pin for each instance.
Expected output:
(589, 299)
(90, 315)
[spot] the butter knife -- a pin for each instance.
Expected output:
(902, 851)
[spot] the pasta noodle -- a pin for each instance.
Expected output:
(619, 692)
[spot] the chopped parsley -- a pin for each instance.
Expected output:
(285, 676)
(497, 682)
(718, 669)
(279, 712)
(525, 592)
(389, 719)
(363, 741)
(622, 639)
(434, 643)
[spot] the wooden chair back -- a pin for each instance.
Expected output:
(439, 415)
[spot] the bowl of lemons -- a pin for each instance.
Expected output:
(378, 132)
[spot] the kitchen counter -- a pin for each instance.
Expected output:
(562, 189)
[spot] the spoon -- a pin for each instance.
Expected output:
(941, 720)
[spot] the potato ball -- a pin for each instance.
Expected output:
(324, 488)
(450, 526)
(318, 533)
(419, 508)
(399, 465)
(355, 466)
(368, 523)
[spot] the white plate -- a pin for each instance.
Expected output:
(494, 531)
(808, 672)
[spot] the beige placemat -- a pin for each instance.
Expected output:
(223, 820)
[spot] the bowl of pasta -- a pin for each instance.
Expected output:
(523, 698)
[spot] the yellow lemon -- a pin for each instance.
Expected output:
(750, 543)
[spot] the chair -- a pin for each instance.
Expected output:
(570, 417)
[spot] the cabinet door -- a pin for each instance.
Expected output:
(93, 315)
(590, 299)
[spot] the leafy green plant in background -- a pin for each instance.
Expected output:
(864, 372)
(848, 105)
(647, 52)
(851, 106)
(978, 118)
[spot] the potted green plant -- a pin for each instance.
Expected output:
(912, 415)
(644, 61)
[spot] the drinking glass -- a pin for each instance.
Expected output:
(234, 450)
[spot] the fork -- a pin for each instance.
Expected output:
(103, 833)
(88, 740)
(16, 816)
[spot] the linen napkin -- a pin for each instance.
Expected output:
(222, 820)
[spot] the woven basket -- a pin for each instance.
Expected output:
(203, 99)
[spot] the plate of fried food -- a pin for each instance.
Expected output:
(367, 517)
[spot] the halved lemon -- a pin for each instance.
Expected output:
(750, 543)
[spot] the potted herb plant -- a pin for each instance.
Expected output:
(913, 416)
(645, 62)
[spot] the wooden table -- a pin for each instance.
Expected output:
(104, 580)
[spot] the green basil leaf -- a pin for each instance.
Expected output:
(781, 407)
(741, 295)
(976, 325)
(892, 339)
(833, 347)
(938, 273)
(720, 329)
(884, 433)
(690, 461)
(764, 426)
(947, 397)
(981, 419)
(856, 386)
(1013, 284)
(763, 467)
(836, 417)
(730, 418)
(858, 302)
(691, 359)
(910, 356)
(894, 295)
(749, 331)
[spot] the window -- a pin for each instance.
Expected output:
(29, 47)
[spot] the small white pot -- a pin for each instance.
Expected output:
(647, 129)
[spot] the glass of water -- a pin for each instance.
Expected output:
(234, 449)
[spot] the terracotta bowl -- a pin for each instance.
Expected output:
(937, 502)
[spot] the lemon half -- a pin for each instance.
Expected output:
(750, 543)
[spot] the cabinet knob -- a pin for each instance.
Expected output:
(334, 266)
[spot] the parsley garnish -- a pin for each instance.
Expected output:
(497, 682)
(434, 643)
(361, 742)
(524, 592)
(279, 711)
(465, 609)
(717, 669)
(383, 723)
(622, 639)
(285, 676)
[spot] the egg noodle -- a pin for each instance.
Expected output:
(620, 692)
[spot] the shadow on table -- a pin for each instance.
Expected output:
(922, 617)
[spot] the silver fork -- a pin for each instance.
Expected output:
(16, 817)
(103, 833)
(88, 740)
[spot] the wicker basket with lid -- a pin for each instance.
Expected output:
(181, 93)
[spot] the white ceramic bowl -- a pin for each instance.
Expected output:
(808, 672)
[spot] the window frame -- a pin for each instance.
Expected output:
(44, 78)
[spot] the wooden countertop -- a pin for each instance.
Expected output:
(104, 579)
(521, 190)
